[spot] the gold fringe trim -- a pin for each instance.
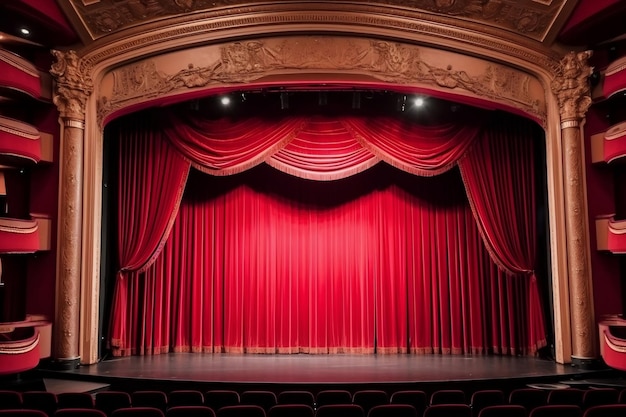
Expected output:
(256, 160)
(322, 176)
(396, 163)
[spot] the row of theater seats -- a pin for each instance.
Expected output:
(339, 410)
(524, 402)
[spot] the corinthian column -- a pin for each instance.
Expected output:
(571, 87)
(73, 87)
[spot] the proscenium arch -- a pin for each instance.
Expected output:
(201, 43)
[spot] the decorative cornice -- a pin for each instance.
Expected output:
(412, 28)
(531, 19)
(571, 85)
(73, 84)
(249, 61)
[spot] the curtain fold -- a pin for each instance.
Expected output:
(499, 178)
(224, 146)
(324, 149)
(151, 182)
(423, 150)
(262, 262)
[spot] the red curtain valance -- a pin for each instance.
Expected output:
(323, 150)
(317, 147)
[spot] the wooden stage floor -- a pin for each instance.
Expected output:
(251, 371)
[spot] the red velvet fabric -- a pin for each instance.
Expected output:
(499, 178)
(324, 149)
(268, 263)
(152, 178)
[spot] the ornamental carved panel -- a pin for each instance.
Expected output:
(245, 63)
(529, 18)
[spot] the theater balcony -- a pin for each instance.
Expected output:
(23, 344)
(611, 234)
(613, 341)
(22, 144)
(18, 236)
(610, 145)
(19, 76)
(614, 78)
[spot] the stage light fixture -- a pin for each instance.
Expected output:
(284, 101)
(419, 102)
(322, 99)
(356, 100)
(401, 103)
(194, 105)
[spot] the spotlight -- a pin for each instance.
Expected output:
(225, 101)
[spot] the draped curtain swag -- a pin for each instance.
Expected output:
(239, 269)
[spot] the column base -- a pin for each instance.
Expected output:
(64, 364)
(588, 363)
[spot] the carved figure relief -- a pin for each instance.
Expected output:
(246, 61)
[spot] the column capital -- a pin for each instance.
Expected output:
(73, 84)
(572, 89)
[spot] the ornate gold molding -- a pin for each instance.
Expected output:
(249, 61)
(355, 19)
(571, 85)
(531, 19)
(73, 84)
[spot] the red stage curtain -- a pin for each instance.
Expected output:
(384, 270)
(224, 147)
(423, 150)
(359, 272)
(317, 147)
(499, 178)
(324, 149)
(152, 178)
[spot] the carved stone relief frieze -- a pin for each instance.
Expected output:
(250, 61)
